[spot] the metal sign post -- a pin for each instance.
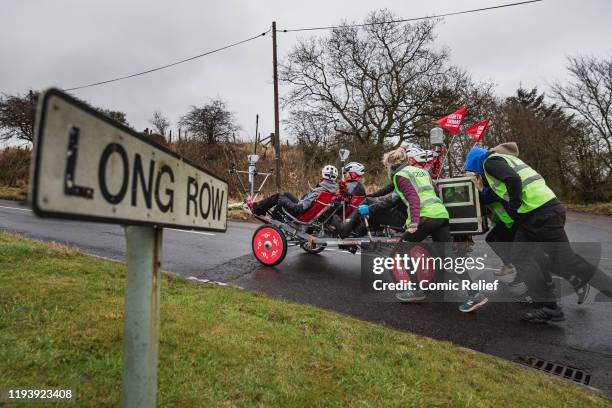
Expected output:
(88, 167)
(141, 336)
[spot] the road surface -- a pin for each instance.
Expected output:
(331, 281)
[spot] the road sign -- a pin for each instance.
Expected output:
(87, 166)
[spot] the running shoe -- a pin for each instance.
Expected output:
(411, 296)
(474, 303)
(507, 274)
(544, 315)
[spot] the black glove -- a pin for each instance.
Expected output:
(514, 214)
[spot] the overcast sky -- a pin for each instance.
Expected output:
(67, 43)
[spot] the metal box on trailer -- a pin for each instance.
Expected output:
(461, 199)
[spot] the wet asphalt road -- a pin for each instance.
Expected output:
(331, 281)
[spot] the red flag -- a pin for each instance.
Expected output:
(477, 130)
(453, 121)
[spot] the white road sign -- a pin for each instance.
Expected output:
(87, 166)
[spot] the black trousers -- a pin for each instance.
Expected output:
(543, 232)
(285, 200)
(381, 212)
(437, 228)
(393, 216)
(499, 238)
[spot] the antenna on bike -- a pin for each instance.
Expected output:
(436, 139)
(344, 154)
(250, 192)
(252, 159)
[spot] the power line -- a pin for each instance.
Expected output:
(412, 19)
(171, 64)
(294, 30)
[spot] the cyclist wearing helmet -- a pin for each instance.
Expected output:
(353, 173)
(423, 159)
(295, 206)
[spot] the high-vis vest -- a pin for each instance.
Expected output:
(497, 213)
(431, 205)
(535, 191)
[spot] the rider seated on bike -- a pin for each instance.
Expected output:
(291, 203)
(353, 173)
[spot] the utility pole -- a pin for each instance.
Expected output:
(276, 114)
(33, 106)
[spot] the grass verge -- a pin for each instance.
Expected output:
(13, 193)
(238, 214)
(596, 208)
(61, 323)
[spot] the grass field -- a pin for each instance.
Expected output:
(61, 323)
(597, 208)
(12, 193)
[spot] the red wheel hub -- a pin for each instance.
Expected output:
(400, 274)
(268, 246)
(422, 272)
(425, 272)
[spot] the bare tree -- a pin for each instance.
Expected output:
(311, 128)
(589, 94)
(369, 82)
(17, 115)
(160, 122)
(212, 122)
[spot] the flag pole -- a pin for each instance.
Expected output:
(446, 154)
(458, 115)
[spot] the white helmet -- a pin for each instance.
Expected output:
(415, 152)
(329, 172)
(354, 167)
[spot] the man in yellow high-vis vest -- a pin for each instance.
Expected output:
(502, 226)
(540, 220)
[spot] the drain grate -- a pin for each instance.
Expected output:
(560, 370)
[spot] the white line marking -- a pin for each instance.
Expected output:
(210, 282)
(15, 208)
(190, 232)
(102, 257)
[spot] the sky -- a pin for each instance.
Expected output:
(67, 43)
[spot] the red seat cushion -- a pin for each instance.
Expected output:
(318, 207)
(355, 202)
